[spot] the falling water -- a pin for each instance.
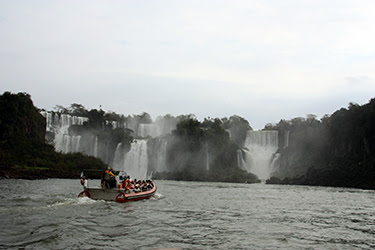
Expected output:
(286, 138)
(207, 158)
(136, 160)
(59, 125)
(118, 160)
(96, 147)
(260, 147)
(157, 154)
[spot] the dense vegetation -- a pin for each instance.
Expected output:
(99, 126)
(338, 150)
(23, 150)
(203, 151)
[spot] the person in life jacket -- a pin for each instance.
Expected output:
(83, 182)
(122, 179)
(109, 171)
(127, 184)
(109, 178)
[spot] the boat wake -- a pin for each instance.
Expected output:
(73, 202)
(157, 196)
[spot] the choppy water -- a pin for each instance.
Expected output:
(46, 214)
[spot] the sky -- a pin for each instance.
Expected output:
(263, 60)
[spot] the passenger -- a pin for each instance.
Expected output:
(144, 186)
(127, 185)
(84, 182)
(109, 178)
(136, 186)
(122, 178)
(109, 171)
(130, 179)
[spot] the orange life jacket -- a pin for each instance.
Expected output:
(127, 184)
(109, 172)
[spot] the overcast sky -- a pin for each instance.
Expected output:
(262, 60)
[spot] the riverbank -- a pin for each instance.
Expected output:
(36, 173)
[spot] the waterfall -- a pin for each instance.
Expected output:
(286, 138)
(207, 158)
(96, 147)
(135, 161)
(144, 156)
(257, 156)
(59, 124)
(275, 163)
(118, 160)
(157, 153)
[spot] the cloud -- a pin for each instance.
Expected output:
(264, 60)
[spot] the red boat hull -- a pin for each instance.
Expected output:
(117, 194)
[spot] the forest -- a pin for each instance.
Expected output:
(336, 150)
(192, 142)
(24, 152)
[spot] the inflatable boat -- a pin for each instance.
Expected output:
(117, 194)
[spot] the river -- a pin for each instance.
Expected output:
(46, 214)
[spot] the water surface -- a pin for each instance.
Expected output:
(45, 214)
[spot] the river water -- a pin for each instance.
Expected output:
(46, 214)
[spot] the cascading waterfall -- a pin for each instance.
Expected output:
(275, 162)
(150, 155)
(286, 138)
(96, 147)
(136, 160)
(257, 156)
(207, 158)
(59, 125)
(157, 153)
(118, 160)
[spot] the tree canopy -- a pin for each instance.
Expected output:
(23, 150)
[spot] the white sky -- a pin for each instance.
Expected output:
(262, 60)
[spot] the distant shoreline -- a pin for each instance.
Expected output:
(13, 173)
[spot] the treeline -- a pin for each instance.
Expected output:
(338, 150)
(203, 151)
(24, 152)
(197, 151)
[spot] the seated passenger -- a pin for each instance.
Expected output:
(127, 185)
(144, 186)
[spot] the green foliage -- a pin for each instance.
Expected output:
(145, 118)
(19, 119)
(238, 127)
(98, 126)
(196, 146)
(338, 150)
(23, 151)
